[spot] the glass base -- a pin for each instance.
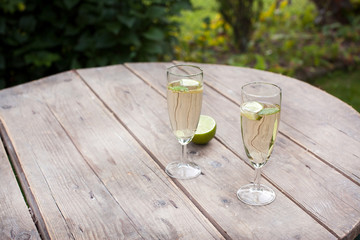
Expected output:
(258, 196)
(183, 170)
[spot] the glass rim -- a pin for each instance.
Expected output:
(261, 83)
(185, 74)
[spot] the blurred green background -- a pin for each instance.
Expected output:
(317, 41)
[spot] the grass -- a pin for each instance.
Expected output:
(343, 84)
(191, 21)
(293, 22)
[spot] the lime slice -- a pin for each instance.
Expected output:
(250, 110)
(179, 89)
(268, 111)
(189, 83)
(205, 131)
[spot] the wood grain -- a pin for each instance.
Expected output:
(91, 146)
(100, 183)
(144, 113)
(15, 218)
(315, 120)
(305, 179)
(59, 178)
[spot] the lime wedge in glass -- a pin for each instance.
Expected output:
(250, 110)
(268, 111)
(205, 131)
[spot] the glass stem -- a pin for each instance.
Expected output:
(257, 178)
(183, 153)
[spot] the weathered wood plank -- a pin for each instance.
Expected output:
(104, 185)
(317, 121)
(64, 187)
(305, 179)
(15, 218)
(144, 112)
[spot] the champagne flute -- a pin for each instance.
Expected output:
(260, 116)
(184, 100)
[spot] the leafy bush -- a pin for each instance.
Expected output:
(294, 45)
(40, 37)
(286, 39)
(241, 15)
(204, 43)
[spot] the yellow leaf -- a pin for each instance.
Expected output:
(283, 4)
(21, 6)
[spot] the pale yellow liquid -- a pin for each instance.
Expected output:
(259, 136)
(184, 110)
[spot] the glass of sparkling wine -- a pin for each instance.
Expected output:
(260, 116)
(184, 100)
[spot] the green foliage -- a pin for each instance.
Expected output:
(202, 44)
(292, 44)
(286, 40)
(344, 85)
(39, 37)
(241, 16)
(204, 35)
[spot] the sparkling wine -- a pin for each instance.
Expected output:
(259, 127)
(184, 98)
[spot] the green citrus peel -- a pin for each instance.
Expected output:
(205, 131)
(255, 110)
(179, 89)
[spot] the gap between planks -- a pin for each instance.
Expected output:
(284, 134)
(175, 181)
(23, 183)
(39, 221)
(236, 154)
(89, 165)
(294, 141)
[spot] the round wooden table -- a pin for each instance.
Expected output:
(89, 146)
